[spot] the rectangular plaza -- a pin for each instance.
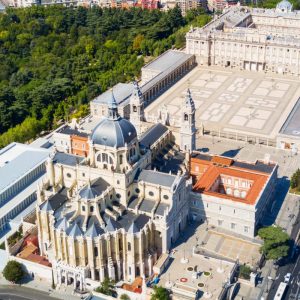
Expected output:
(233, 101)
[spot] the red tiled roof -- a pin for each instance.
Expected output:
(203, 185)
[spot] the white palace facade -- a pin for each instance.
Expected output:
(250, 38)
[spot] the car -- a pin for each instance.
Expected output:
(287, 277)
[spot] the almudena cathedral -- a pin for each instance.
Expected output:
(123, 184)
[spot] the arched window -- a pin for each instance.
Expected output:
(104, 157)
(186, 117)
(236, 193)
(129, 246)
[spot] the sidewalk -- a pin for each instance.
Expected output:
(43, 286)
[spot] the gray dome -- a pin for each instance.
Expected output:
(114, 133)
(284, 6)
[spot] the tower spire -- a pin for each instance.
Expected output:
(137, 108)
(188, 128)
(113, 107)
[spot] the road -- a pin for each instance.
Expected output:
(293, 267)
(15, 292)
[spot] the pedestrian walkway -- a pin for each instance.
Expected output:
(44, 286)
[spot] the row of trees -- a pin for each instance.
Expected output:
(54, 60)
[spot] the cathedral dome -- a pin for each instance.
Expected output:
(284, 6)
(113, 131)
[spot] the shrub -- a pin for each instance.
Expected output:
(244, 272)
(13, 271)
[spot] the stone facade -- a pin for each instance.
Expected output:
(251, 39)
(229, 194)
(107, 215)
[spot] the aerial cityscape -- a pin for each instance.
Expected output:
(149, 150)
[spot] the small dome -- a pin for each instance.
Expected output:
(113, 131)
(284, 6)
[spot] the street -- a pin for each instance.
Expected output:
(15, 292)
(283, 210)
(293, 267)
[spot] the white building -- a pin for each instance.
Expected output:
(250, 38)
(230, 194)
(157, 77)
(21, 167)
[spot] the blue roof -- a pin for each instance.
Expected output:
(27, 159)
(153, 134)
(74, 230)
(292, 124)
(167, 60)
(156, 177)
(121, 91)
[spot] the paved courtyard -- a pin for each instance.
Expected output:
(229, 247)
(250, 103)
(210, 283)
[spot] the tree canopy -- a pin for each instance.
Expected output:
(107, 287)
(54, 60)
(295, 180)
(13, 271)
(276, 242)
(160, 293)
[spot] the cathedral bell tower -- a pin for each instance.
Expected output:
(137, 108)
(188, 129)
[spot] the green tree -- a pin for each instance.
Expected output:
(13, 271)
(107, 287)
(124, 297)
(295, 179)
(276, 242)
(244, 271)
(160, 293)
(54, 60)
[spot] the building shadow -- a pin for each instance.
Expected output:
(203, 150)
(231, 153)
(281, 190)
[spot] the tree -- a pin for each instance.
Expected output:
(295, 180)
(54, 60)
(107, 287)
(276, 242)
(160, 293)
(244, 272)
(124, 297)
(13, 271)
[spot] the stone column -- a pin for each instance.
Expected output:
(118, 256)
(141, 252)
(90, 250)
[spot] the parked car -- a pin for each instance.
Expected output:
(287, 278)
